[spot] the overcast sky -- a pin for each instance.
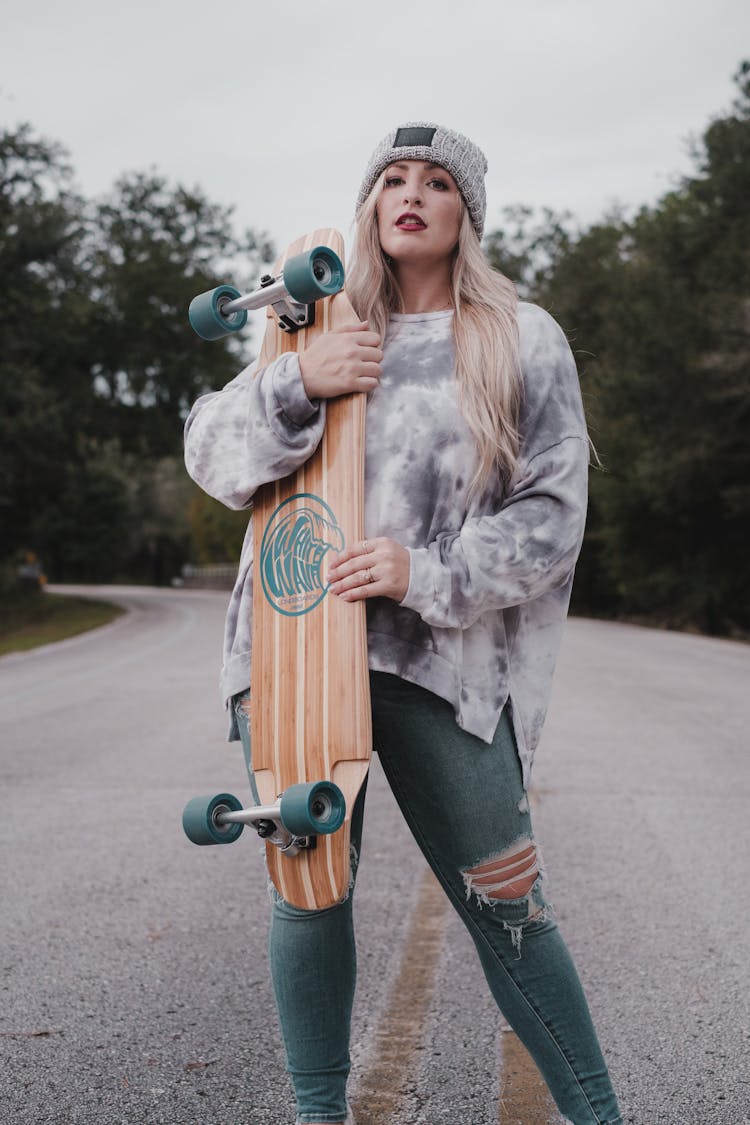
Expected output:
(275, 107)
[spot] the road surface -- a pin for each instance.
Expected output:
(134, 980)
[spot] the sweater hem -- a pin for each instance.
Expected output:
(430, 670)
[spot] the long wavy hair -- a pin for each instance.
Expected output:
(485, 332)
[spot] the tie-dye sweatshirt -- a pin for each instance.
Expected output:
(490, 574)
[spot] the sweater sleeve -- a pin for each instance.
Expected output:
(259, 428)
(524, 550)
(530, 544)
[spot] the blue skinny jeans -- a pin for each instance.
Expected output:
(465, 805)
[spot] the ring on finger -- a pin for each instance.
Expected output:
(365, 546)
(369, 575)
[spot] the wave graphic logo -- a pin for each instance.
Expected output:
(297, 538)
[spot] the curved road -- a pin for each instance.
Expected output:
(134, 982)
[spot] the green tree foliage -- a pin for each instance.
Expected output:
(43, 315)
(98, 365)
(153, 248)
(657, 309)
(216, 532)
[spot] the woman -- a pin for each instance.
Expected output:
(475, 485)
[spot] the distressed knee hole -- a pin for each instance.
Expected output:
(509, 875)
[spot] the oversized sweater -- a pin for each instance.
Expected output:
(490, 574)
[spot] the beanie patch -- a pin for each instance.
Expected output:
(413, 137)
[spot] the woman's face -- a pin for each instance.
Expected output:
(418, 213)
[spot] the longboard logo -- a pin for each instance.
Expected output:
(296, 540)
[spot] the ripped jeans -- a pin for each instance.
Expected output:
(465, 805)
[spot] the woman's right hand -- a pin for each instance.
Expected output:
(342, 361)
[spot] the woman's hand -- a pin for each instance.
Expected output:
(375, 568)
(339, 362)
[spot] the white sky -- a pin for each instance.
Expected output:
(275, 107)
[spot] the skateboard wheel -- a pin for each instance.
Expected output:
(206, 317)
(313, 808)
(315, 274)
(199, 819)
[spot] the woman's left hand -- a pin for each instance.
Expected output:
(374, 568)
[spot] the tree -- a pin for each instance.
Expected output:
(43, 323)
(658, 312)
(153, 247)
(98, 365)
(529, 248)
(216, 532)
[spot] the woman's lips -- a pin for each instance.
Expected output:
(410, 221)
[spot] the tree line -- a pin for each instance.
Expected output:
(657, 310)
(98, 368)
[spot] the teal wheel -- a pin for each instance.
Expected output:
(206, 317)
(315, 274)
(313, 808)
(200, 819)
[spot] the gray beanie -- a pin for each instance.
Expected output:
(419, 140)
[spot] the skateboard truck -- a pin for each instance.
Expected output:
(292, 294)
(276, 834)
(291, 314)
(267, 822)
(302, 813)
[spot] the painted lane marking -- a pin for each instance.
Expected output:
(384, 1091)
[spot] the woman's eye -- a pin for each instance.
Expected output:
(441, 185)
(393, 181)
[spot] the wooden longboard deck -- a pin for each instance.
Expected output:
(310, 696)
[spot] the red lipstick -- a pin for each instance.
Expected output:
(410, 221)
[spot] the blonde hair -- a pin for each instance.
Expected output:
(485, 333)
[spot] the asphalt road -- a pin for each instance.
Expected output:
(134, 980)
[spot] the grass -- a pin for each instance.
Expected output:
(39, 619)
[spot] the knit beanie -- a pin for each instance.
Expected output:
(419, 140)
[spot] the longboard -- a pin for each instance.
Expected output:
(309, 699)
(310, 696)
